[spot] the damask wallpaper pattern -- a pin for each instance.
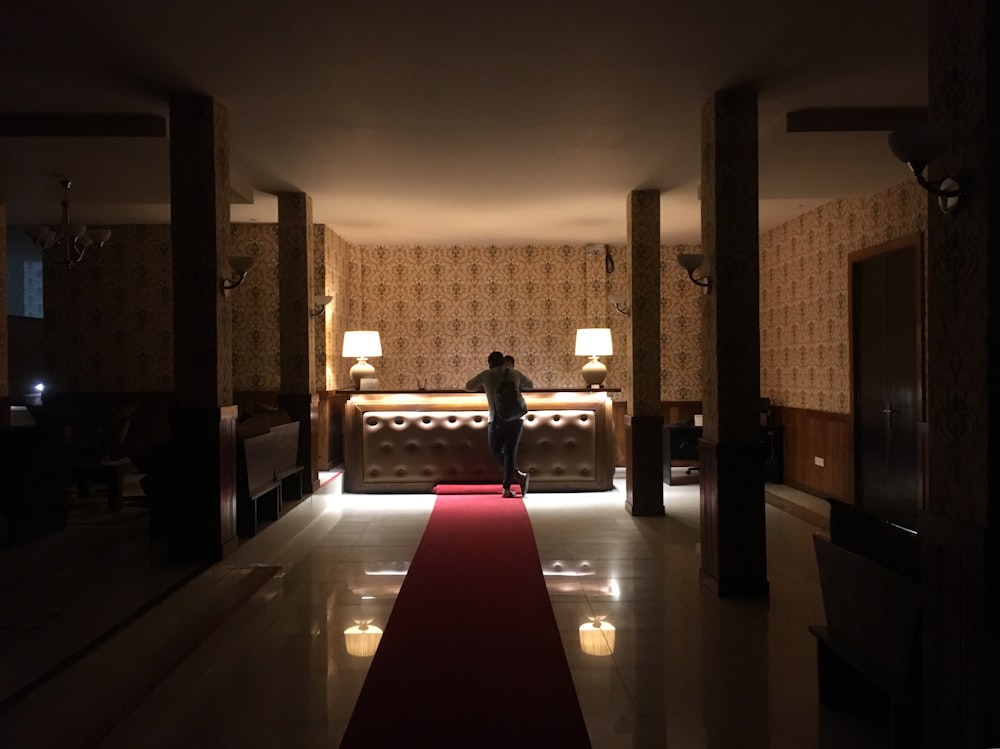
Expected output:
(333, 259)
(804, 318)
(109, 320)
(256, 325)
(441, 309)
(257, 355)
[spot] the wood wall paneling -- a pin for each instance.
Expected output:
(817, 434)
(619, 410)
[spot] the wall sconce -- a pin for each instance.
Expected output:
(362, 344)
(692, 261)
(597, 637)
(916, 146)
(620, 303)
(594, 342)
(320, 301)
(241, 265)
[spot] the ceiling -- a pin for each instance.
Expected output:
(447, 122)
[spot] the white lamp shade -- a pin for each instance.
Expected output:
(362, 640)
(593, 342)
(358, 343)
(597, 637)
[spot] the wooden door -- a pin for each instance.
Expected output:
(887, 346)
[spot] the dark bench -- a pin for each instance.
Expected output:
(267, 463)
(287, 470)
(870, 644)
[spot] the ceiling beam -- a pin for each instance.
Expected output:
(82, 125)
(853, 119)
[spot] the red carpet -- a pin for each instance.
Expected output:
(474, 489)
(471, 656)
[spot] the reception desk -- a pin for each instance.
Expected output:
(412, 441)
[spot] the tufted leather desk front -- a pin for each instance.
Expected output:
(409, 442)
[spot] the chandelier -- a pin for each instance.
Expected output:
(67, 243)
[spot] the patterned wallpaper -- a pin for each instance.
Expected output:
(257, 356)
(333, 260)
(256, 326)
(109, 320)
(805, 348)
(441, 310)
(680, 328)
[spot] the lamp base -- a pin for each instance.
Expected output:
(594, 372)
(361, 370)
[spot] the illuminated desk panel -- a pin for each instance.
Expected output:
(411, 441)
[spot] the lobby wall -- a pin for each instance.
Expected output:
(333, 259)
(804, 316)
(256, 328)
(442, 309)
(109, 320)
(805, 327)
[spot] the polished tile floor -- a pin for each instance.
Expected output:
(252, 653)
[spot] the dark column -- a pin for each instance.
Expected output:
(298, 340)
(644, 426)
(203, 437)
(958, 530)
(4, 335)
(733, 553)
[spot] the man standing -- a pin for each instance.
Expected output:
(503, 386)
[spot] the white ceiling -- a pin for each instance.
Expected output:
(447, 122)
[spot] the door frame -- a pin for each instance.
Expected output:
(918, 242)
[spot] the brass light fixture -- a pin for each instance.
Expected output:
(691, 262)
(916, 146)
(240, 265)
(620, 302)
(319, 304)
(69, 241)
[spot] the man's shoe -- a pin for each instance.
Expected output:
(508, 494)
(522, 481)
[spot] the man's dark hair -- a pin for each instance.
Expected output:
(495, 359)
(508, 360)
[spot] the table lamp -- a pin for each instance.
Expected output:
(361, 344)
(594, 342)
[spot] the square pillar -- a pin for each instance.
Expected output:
(202, 521)
(297, 327)
(644, 426)
(734, 555)
(960, 546)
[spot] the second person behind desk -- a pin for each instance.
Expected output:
(504, 434)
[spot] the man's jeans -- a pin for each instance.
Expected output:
(504, 437)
